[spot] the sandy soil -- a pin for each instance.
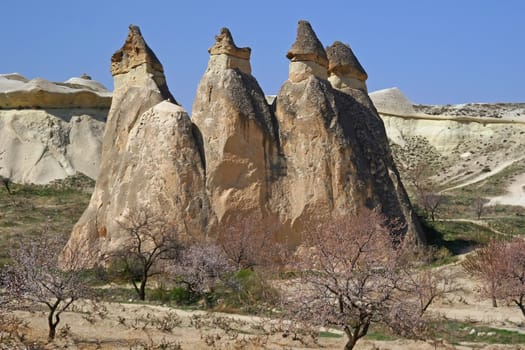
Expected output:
(515, 193)
(134, 326)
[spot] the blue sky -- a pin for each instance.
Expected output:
(437, 52)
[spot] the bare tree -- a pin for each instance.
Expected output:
(417, 174)
(478, 205)
(200, 267)
(430, 201)
(486, 264)
(350, 274)
(513, 271)
(149, 241)
(247, 243)
(35, 276)
(426, 286)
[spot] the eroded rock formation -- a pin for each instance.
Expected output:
(48, 130)
(238, 132)
(150, 158)
(316, 153)
(334, 144)
(344, 68)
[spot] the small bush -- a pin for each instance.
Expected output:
(248, 291)
(176, 295)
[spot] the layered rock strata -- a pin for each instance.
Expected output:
(150, 162)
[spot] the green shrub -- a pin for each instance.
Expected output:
(248, 291)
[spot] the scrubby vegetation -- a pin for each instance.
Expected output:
(223, 276)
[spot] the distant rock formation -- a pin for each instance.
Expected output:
(392, 101)
(461, 144)
(316, 153)
(150, 158)
(48, 130)
(16, 92)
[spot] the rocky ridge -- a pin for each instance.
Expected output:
(316, 153)
(463, 143)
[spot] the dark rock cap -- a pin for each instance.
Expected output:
(224, 44)
(134, 53)
(307, 46)
(342, 61)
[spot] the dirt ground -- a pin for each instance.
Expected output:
(136, 326)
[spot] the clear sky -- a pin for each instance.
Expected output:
(437, 52)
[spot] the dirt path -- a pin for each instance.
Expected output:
(484, 176)
(480, 223)
(515, 193)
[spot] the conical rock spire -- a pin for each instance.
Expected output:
(307, 46)
(224, 44)
(342, 61)
(345, 71)
(134, 53)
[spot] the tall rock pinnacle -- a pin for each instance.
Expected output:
(334, 146)
(344, 68)
(140, 63)
(238, 133)
(307, 54)
(151, 161)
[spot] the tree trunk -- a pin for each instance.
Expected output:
(350, 344)
(494, 301)
(521, 304)
(352, 337)
(142, 289)
(52, 325)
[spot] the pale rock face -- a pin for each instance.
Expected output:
(18, 92)
(39, 146)
(392, 101)
(238, 135)
(346, 83)
(49, 131)
(150, 160)
(302, 70)
(223, 61)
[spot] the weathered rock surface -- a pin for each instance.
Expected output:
(150, 158)
(345, 71)
(39, 146)
(18, 92)
(318, 152)
(307, 55)
(60, 138)
(238, 133)
(462, 144)
(336, 153)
